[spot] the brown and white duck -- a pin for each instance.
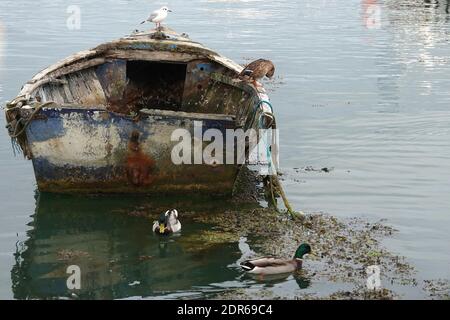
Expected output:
(257, 70)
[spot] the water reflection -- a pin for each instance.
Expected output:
(437, 3)
(2, 45)
(112, 242)
(118, 254)
(371, 12)
(420, 18)
(412, 34)
(272, 280)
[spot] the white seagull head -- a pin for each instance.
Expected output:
(166, 9)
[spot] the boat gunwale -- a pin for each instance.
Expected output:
(148, 112)
(117, 49)
(187, 115)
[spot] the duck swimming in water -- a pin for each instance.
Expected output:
(273, 266)
(257, 70)
(167, 223)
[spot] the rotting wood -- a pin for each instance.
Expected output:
(87, 54)
(85, 88)
(31, 86)
(187, 115)
(144, 55)
(110, 50)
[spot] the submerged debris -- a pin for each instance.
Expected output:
(68, 255)
(438, 289)
(145, 258)
(207, 239)
(312, 169)
(362, 293)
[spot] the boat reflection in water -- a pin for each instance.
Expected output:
(117, 252)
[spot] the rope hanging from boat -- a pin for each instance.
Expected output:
(17, 125)
(274, 183)
(38, 108)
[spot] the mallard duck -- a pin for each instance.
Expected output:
(257, 70)
(167, 223)
(272, 266)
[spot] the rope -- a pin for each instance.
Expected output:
(16, 134)
(274, 182)
(266, 102)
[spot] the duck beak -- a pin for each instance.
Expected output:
(161, 228)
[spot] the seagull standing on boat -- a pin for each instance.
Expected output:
(158, 16)
(257, 70)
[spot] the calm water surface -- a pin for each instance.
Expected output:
(363, 89)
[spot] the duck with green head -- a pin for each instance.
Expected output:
(271, 265)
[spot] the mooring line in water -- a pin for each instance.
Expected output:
(291, 212)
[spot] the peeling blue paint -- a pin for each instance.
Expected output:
(46, 171)
(111, 172)
(44, 130)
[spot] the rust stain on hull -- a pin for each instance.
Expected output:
(139, 166)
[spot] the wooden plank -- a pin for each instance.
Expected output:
(28, 89)
(112, 77)
(146, 55)
(188, 115)
(85, 88)
(67, 61)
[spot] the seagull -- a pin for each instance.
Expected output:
(158, 16)
(257, 70)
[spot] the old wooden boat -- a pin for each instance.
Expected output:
(100, 121)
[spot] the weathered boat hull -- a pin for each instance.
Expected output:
(102, 120)
(96, 151)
